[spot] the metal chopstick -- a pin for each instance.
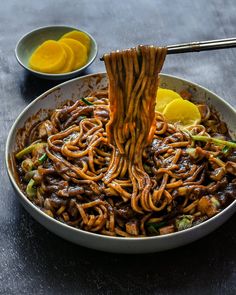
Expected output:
(200, 46)
(203, 42)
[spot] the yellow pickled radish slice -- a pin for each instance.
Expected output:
(80, 52)
(69, 63)
(48, 57)
(183, 112)
(164, 96)
(79, 36)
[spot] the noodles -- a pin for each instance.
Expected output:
(133, 82)
(108, 164)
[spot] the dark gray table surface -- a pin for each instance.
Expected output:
(35, 261)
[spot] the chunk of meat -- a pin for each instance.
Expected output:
(231, 167)
(222, 128)
(206, 206)
(70, 191)
(132, 227)
(46, 129)
(38, 151)
(232, 156)
(228, 193)
(167, 230)
(216, 186)
(125, 212)
(204, 111)
(218, 174)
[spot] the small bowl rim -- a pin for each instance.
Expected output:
(62, 75)
(93, 234)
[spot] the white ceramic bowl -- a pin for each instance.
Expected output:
(81, 87)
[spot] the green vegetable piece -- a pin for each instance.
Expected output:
(87, 102)
(43, 158)
(157, 225)
(184, 222)
(151, 229)
(31, 190)
(214, 140)
(227, 149)
(29, 149)
(25, 151)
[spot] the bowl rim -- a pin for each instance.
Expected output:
(62, 75)
(87, 233)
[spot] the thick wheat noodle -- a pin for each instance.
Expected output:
(130, 128)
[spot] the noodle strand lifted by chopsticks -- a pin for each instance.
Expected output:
(133, 82)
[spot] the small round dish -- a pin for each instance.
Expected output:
(81, 87)
(29, 42)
